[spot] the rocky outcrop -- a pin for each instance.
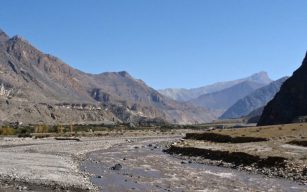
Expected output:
(290, 102)
(253, 101)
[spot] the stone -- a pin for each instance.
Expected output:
(117, 167)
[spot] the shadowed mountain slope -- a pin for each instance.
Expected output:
(290, 102)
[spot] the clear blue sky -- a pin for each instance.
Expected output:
(167, 43)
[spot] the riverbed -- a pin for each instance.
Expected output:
(144, 167)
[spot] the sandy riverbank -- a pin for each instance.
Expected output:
(47, 164)
(36, 164)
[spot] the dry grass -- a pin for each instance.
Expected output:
(274, 132)
(278, 137)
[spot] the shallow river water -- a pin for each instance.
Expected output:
(146, 168)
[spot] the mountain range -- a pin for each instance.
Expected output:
(255, 100)
(220, 96)
(222, 100)
(40, 88)
(190, 94)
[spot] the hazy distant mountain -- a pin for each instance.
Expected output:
(40, 88)
(223, 99)
(290, 102)
(256, 99)
(189, 94)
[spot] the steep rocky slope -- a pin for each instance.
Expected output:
(189, 94)
(256, 99)
(290, 102)
(37, 87)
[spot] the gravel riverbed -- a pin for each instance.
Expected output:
(117, 164)
(144, 167)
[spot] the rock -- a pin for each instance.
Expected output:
(117, 167)
(248, 168)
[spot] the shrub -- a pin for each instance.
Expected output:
(24, 131)
(41, 129)
(7, 131)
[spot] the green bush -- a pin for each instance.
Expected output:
(24, 131)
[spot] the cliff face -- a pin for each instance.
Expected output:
(290, 102)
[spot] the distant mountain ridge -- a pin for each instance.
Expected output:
(40, 88)
(254, 100)
(222, 100)
(190, 94)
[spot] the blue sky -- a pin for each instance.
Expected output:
(167, 43)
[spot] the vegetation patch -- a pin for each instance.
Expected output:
(7, 131)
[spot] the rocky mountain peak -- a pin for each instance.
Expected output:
(124, 74)
(19, 40)
(21, 49)
(262, 77)
(3, 36)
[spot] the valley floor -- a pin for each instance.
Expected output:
(86, 165)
